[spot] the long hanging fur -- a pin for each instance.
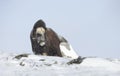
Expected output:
(51, 47)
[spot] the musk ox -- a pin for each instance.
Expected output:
(45, 41)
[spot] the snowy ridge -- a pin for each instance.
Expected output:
(56, 66)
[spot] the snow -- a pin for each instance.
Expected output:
(56, 66)
(67, 50)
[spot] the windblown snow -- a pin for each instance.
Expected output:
(56, 66)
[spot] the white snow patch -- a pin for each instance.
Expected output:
(56, 66)
(67, 51)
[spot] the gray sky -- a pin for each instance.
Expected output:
(92, 27)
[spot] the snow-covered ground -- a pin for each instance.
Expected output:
(55, 66)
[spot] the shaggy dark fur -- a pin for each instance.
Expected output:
(51, 47)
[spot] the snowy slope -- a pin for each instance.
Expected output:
(55, 66)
